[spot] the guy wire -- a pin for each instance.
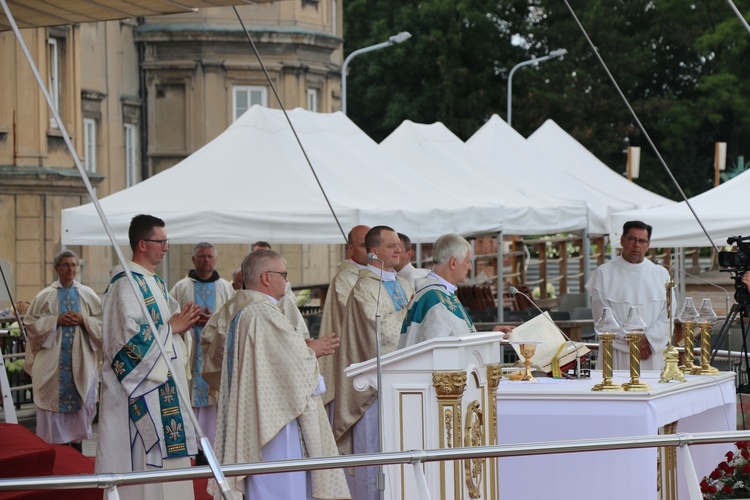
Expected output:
(638, 122)
(294, 131)
(739, 15)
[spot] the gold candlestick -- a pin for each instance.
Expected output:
(707, 319)
(706, 368)
(689, 368)
(635, 384)
(607, 384)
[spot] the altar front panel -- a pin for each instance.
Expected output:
(568, 410)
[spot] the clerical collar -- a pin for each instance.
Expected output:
(387, 275)
(360, 266)
(193, 275)
(449, 286)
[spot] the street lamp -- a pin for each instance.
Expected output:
(401, 37)
(551, 55)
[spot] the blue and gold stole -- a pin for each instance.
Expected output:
(204, 295)
(69, 398)
(437, 295)
(130, 356)
(396, 293)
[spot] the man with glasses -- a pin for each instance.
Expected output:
(633, 280)
(204, 287)
(355, 413)
(269, 401)
(144, 422)
(64, 325)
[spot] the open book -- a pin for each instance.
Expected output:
(543, 329)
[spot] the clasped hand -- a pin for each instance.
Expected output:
(182, 321)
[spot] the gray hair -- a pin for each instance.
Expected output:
(64, 255)
(450, 245)
(204, 244)
(256, 263)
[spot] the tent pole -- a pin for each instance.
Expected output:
(500, 281)
(587, 263)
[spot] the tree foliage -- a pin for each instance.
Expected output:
(681, 64)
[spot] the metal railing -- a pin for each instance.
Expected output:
(682, 441)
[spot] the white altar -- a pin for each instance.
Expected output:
(439, 394)
(553, 410)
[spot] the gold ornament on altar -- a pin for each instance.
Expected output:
(707, 318)
(635, 329)
(606, 327)
(671, 369)
(689, 318)
(527, 349)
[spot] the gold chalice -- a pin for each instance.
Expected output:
(527, 350)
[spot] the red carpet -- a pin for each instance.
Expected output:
(24, 454)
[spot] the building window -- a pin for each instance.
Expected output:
(312, 100)
(131, 155)
(54, 76)
(89, 144)
(245, 96)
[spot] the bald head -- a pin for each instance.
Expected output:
(355, 245)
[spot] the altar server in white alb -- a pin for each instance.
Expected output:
(269, 403)
(205, 288)
(633, 280)
(64, 325)
(355, 413)
(144, 421)
(435, 311)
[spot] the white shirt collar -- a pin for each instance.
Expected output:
(387, 275)
(449, 286)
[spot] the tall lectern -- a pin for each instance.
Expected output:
(439, 394)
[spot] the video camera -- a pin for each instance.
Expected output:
(737, 263)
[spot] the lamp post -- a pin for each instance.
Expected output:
(401, 37)
(551, 55)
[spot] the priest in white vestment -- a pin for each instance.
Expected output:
(64, 326)
(338, 293)
(355, 413)
(204, 287)
(632, 280)
(269, 402)
(144, 421)
(404, 268)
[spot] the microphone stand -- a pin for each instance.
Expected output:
(379, 378)
(513, 290)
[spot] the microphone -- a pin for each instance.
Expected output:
(515, 291)
(373, 256)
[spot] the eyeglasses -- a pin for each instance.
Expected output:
(283, 275)
(164, 243)
(633, 239)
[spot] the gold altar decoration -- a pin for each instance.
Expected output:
(689, 317)
(707, 319)
(605, 327)
(636, 329)
(474, 436)
(671, 369)
(449, 391)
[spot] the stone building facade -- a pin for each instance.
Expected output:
(137, 96)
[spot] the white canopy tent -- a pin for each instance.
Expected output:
(252, 181)
(557, 165)
(720, 210)
(434, 152)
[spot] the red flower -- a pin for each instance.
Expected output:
(745, 454)
(726, 468)
(743, 445)
(716, 474)
(704, 486)
(729, 456)
(712, 489)
(727, 489)
(745, 469)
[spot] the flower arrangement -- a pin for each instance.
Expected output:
(731, 479)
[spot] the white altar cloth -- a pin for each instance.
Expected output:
(568, 410)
